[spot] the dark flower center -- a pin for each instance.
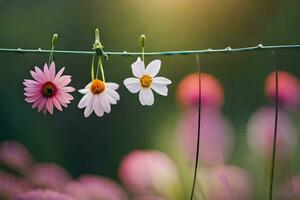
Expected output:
(49, 89)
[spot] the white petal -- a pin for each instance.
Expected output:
(113, 94)
(153, 68)
(138, 68)
(113, 86)
(86, 89)
(84, 100)
(132, 84)
(146, 97)
(97, 106)
(110, 99)
(162, 80)
(160, 89)
(89, 107)
(83, 91)
(104, 103)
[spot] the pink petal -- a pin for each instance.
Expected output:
(59, 73)
(46, 72)
(68, 89)
(35, 104)
(56, 103)
(63, 81)
(40, 73)
(49, 106)
(31, 83)
(36, 77)
(32, 89)
(42, 104)
(65, 95)
(52, 71)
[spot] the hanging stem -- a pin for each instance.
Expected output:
(53, 42)
(275, 129)
(198, 129)
(143, 44)
(100, 66)
(92, 68)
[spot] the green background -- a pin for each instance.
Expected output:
(96, 145)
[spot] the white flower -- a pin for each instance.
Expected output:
(97, 97)
(145, 81)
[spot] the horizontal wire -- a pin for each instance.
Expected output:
(165, 53)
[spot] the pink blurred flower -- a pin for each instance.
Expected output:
(49, 176)
(148, 197)
(15, 156)
(11, 185)
(90, 187)
(290, 190)
(225, 182)
(212, 93)
(216, 139)
(149, 172)
(288, 88)
(43, 195)
(48, 89)
(260, 133)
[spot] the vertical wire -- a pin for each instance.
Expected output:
(275, 128)
(198, 128)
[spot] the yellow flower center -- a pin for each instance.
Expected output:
(97, 86)
(146, 81)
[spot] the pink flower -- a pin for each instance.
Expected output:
(290, 190)
(288, 89)
(212, 93)
(43, 195)
(49, 176)
(216, 139)
(11, 185)
(225, 182)
(15, 156)
(150, 172)
(260, 133)
(48, 89)
(90, 187)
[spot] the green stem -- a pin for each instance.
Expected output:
(101, 69)
(92, 68)
(51, 55)
(143, 54)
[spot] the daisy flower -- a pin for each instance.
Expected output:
(98, 97)
(48, 89)
(145, 81)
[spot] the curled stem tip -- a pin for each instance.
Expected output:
(143, 40)
(54, 39)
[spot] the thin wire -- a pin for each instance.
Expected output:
(198, 128)
(275, 129)
(164, 53)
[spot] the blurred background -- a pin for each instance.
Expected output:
(97, 145)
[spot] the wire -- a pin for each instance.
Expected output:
(164, 53)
